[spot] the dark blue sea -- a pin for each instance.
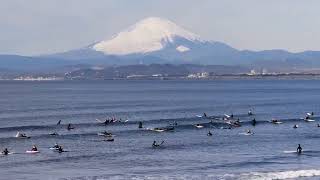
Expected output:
(34, 108)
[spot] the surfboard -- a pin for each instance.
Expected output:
(198, 126)
(32, 152)
(246, 134)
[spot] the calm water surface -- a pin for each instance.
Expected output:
(187, 152)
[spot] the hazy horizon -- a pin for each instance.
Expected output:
(33, 27)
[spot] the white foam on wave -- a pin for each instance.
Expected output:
(293, 174)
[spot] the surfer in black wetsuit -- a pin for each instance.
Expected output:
(60, 149)
(140, 125)
(254, 122)
(204, 115)
(299, 149)
(69, 127)
(154, 144)
(209, 134)
(59, 122)
(5, 151)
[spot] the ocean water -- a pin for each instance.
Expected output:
(187, 152)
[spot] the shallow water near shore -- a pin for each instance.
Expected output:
(187, 152)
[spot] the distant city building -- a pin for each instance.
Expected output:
(198, 75)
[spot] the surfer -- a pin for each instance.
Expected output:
(295, 126)
(250, 113)
(254, 122)
(56, 146)
(209, 134)
(318, 125)
(237, 121)
(107, 133)
(299, 149)
(34, 148)
(60, 149)
(21, 135)
(204, 115)
(69, 127)
(140, 125)
(312, 113)
(249, 131)
(54, 134)
(155, 144)
(5, 151)
(59, 122)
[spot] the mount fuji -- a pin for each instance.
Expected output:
(154, 40)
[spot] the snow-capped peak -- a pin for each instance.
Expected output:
(148, 35)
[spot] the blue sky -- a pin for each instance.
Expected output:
(32, 27)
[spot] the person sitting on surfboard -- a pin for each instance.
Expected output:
(299, 149)
(69, 127)
(34, 148)
(5, 151)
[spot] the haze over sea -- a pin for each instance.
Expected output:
(187, 152)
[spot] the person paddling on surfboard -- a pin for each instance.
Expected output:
(5, 151)
(299, 149)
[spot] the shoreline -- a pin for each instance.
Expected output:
(183, 78)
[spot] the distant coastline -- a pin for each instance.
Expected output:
(287, 76)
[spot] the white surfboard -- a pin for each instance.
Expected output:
(32, 152)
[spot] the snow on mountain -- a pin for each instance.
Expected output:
(182, 48)
(148, 35)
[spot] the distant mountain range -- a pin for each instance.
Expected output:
(159, 41)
